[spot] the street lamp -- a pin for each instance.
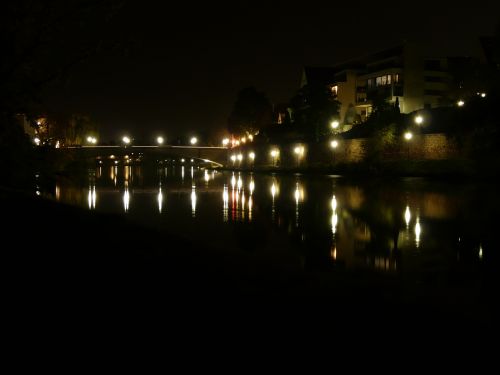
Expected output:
(225, 142)
(160, 140)
(299, 151)
(460, 103)
(419, 120)
(240, 157)
(251, 156)
(233, 158)
(194, 140)
(126, 140)
(334, 144)
(274, 155)
(334, 124)
(408, 136)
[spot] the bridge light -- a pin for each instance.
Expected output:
(126, 140)
(160, 140)
(194, 140)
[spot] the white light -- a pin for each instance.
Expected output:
(480, 252)
(160, 140)
(160, 200)
(407, 215)
(37, 141)
(250, 137)
(251, 155)
(334, 203)
(335, 124)
(299, 150)
(233, 158)
(240, 157)
(243, 140)
(126, 140)
(225, 141)
(408, 136)
(274, 153)
(460, 103)
(252, 187)
(418, 230)
(483, 95)
(273, 190)
(194, 140)
(89, 139)
(240, 183)
(419, 119)
(39, 123)
(334, 144)
(183, 160)
(233, 181)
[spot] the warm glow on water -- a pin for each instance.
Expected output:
(390, 227)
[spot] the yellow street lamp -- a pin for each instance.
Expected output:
(419, 120)
(126, 140)
(194, 141)
(160, 140)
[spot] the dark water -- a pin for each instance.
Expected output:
(433, 232)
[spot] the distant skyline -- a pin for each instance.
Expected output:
(181, 66)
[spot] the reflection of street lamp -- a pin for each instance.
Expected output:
(194, 141)
(408, 137)
(334, 144)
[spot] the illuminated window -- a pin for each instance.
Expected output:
(383, 80)
(388, 79)
(335, 90)
(370, 83)
(396, 78)
(379, 81)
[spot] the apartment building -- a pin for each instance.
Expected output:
(402, 75)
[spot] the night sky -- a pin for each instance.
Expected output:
(179, 67)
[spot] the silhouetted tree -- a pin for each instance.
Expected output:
(314, 107)
(251, 111)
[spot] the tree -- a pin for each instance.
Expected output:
(251, 112)
(314, 107)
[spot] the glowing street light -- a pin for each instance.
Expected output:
(334, 124)
(460, 103)
(126, 140)
(233, 158)
(160, 140)
(274, 155)
(240, 157)
(299, 151)
(194, 141)
(419, 120)
(408, 136)
(37, 141)
(251, 156)
(334, 144)
(225, 142)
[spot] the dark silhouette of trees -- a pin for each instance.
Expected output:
(314, 108)
(251, 111)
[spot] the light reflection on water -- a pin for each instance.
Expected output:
(322, 220)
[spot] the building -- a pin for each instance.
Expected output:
(403, 75)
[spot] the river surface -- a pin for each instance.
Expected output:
(438, 232)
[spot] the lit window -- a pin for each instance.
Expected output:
(384, 80)
(389, 79)
(396, 78)
(379, 81)
(335, 90)
(370, 83)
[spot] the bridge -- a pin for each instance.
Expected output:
(214, 155)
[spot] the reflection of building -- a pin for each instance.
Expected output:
(403, 75)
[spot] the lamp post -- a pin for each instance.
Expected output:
(334, 144)
(274, 155)
(193, 140)
(408, 136)
(299, 151)
(126, 140)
